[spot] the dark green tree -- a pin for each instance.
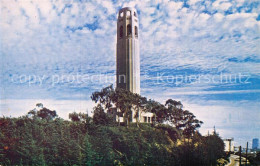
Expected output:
(103, 97)
(158, 109)
(138, 104)
(78, 117)
(182, 119)
(100, 117)
(43, 113)
(213, 149)
(46, 113)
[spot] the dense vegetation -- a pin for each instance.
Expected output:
(42, 138)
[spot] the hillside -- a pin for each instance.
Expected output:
(27, 141)
(42, 138)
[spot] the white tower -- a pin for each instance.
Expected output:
(128, 60)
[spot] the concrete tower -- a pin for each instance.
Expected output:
(128, 60)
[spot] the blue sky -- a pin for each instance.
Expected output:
(203, 53)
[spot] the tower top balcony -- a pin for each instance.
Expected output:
(127, 12)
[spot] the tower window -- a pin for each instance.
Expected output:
(134, 14)
(121, 14)
(121, 33)
(136, 32)
(129, 30)
(128, 13)
(122, 79)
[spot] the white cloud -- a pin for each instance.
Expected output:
(193, 2)
(173, 7)
(221, 5)
(109, 6)
(218, 17)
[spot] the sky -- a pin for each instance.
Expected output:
(205, 54)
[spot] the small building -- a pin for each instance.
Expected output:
(255, 144)
(144, 117)
(229, 145)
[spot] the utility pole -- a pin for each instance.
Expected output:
(239, 155)
(246, 151)
(229, 150)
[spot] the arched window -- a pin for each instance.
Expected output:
(121, 32)
(121, 14)
(128, 13)
(129, 30)
(136, 32)
(134, 14)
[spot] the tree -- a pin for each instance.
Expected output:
(104, 97)
(100, 117)
(46, 113)
(123, 100)
(39, 105)
(190, 124)
(158, 109)
(175, 113)
(213, 149)
(139, 103)
(107, 97)
(182, 119)
(173, 103)
(78, 117)
(90, 154)
(74, 117)
(43, 113)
